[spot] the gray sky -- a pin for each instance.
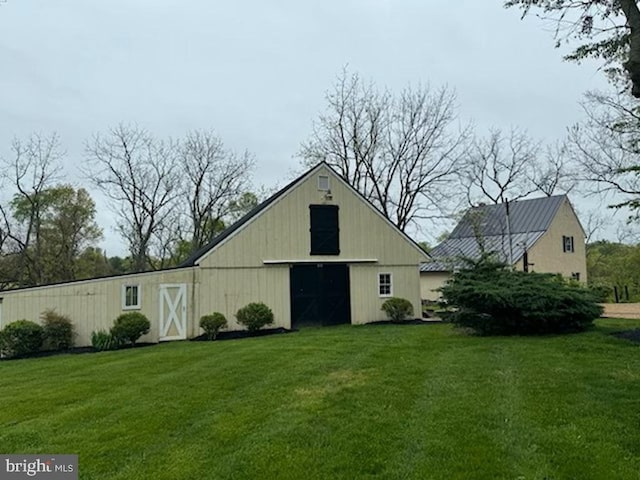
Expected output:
(256, 71)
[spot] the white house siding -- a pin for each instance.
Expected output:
(94, 304)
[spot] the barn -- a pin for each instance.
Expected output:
(316, 252)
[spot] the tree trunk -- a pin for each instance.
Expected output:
(632, 66)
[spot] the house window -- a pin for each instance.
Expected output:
(385, 285)
(575, 276)
(325, 231)
(323, 183)
(130, 297)
(567, 244)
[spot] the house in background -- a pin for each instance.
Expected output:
(541, 235)
(316, 253)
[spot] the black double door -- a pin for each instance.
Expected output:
(320, 295)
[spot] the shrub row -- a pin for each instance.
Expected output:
(25, 337)
(126, 330)
(254, 316)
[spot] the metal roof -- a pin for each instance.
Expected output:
(533, 215)
(528, 221)
(449, 252)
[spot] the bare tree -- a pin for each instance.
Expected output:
(400, 152)
(594, 222)
(554, 172)
(606, 147)
(500, 167)
(35, 165)
(214, 181)
(139, 174)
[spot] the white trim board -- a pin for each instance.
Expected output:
(321, 260)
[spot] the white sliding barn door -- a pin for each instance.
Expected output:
(173, 311)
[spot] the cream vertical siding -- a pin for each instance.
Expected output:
(547, 255)
(94, 304)
(365, 299)
(227, 290)
(430, 281)
(251, 265)
(281, 233)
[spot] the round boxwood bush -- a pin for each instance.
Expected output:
(493, 299)
(58, 330)
(255, 316)
(129, 327)
(211, 324)
(22, 337)
(397, 309)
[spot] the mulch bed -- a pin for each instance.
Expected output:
(242, 334)
(632, 335)
(414, 321)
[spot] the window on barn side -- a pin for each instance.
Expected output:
(575, 276)
(131, 297)
(385, 285)
(325, 230)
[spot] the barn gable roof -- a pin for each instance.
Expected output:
(228, 233)
(529, 220)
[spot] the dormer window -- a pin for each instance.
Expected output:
(323, 183)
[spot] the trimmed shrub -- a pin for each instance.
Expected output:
(22, 337)
(211, 324)
(492, 299)
(255, 316)
(58, 331)
(397, 309)
(129, 327)
(102, 340)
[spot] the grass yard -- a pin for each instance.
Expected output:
(395, 402)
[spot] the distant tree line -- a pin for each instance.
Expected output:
(407, 152)
(614, 266)
(169, 197)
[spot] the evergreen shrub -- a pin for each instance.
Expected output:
(494, 300)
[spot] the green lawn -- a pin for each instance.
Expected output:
(383, 401)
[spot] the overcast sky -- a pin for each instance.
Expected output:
(256, 72)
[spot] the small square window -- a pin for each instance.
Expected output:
(385, 285)
(575, 276)
(323, 183)
(130, 297)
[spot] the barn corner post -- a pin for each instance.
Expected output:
(195, 308)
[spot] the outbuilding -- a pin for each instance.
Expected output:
(538, 234)
(317, 253)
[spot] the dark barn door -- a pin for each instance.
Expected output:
(320, 295)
